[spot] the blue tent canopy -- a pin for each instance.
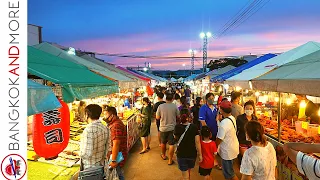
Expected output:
(239, 69)
(40, 98)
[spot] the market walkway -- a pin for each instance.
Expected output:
(150, 166)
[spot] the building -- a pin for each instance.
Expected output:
(34, 34)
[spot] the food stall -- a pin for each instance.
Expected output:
(299, 115)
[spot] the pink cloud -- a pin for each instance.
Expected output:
(159, 45)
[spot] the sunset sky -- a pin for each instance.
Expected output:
(172, 27)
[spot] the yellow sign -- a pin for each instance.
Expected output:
(319, 130)
(305, 125)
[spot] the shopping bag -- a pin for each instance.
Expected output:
(119, 158)
(94, 173)
(111, 174)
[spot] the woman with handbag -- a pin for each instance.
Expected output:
(188, 145)
(146, 115)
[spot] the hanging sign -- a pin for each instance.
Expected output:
(51, 131)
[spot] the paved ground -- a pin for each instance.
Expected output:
(150, 166)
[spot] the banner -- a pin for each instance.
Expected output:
(13, 78)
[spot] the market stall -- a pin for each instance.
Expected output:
(70, 82)
(298, 119)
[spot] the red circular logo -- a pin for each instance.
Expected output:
(13, 167)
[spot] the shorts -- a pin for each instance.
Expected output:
(186, 163)
(167, 137)
(204, 172)
(227, 169)
(158, 125)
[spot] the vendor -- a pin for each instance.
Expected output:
(311, 109)
(81, 111)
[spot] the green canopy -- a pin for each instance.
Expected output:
(77, 81)
(124, 81)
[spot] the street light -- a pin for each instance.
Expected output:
(205, 37)
(183, 65)
(145, 69)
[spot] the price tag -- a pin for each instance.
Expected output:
(305, 125)
(319, 130)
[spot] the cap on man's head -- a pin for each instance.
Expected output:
(225, 104)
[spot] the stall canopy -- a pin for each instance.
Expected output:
(191, 77)
(151, 76)
(138, 82)
(245, 76)
(40, 98)
(300, 76)
(239, 69)
(219, 71)
(124, 81)
(135, 74)
(200, 76)
(77, 81)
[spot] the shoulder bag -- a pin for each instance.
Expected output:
(181, 137)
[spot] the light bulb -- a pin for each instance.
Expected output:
(257, 94)
(303, 104)
(289, 101)
(276, 99)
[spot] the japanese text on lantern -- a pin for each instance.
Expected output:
(52, 118)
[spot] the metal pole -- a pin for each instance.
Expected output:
(205, 53)
(279, 117)
(192, 61)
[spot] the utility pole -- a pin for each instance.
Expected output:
(205, 37)
(192, 53)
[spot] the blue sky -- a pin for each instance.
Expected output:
(171, 27)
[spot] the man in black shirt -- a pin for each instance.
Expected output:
(311, 109)
(155, 108)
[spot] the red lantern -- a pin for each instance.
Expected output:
(51, 131)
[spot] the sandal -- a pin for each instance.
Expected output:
(218, 167)
(163, 157)
(142, 152)
(172, 162)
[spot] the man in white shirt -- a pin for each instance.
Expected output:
(307, 165)
(227, 140)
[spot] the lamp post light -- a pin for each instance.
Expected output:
(205, 37)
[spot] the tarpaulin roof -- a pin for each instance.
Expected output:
(77, 81)
(241, 68)
(137, 82)
(191, 77)
(40, 98)
(243, 78)
(154, 77)
(124, 81)
(219, 71)
(200, 76)
(135, 74)
(300, 76)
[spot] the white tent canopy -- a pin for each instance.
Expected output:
(244, 77)
(300, 77)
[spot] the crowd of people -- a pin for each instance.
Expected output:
(217, 134)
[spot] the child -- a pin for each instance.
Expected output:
(209, 150)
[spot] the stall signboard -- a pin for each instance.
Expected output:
(51, 131)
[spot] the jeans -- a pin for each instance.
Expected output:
(120, 173)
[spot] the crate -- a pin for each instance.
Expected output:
(286, 173)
